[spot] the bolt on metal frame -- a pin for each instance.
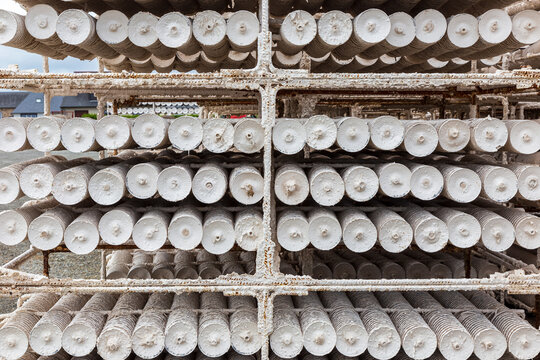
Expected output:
(263, 83)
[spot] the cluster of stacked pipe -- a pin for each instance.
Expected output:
(382, 323)
(395, 231)
(118, 324)
(411, 264)
(376, 41)
(418, 138)
(142, 43)
(149, 229)
(142, 176)
(172, 264)
(419, 323)
(113, 132)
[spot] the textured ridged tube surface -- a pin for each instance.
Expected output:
(454, 341)
(15, 332)
(319, 334)
(214, 334)
(419, 341)
(80, 337)
(523, 339)
(383, 339)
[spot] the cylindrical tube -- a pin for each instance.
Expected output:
(210, 184)
(359, 233)
(498, 183)
(248, 228)
(292, 230)
(13, 134)
(460, 185)
(387, 132)
(497, 233)
(70, 186)
(16, 331)
(47, 231)
(174, 183)
(427, 182)
(186, 133)
(454, 135)
(80, 337)
(116, 226)
(44, 133)
(245, 337)
(140, 266)
(383, 339)
(243, 31)
(394, 179)
(395, 234)
(108, 186)
(182, 324)
(289, 136)
(523, 136)
(246, 185)
(430, 233)
(248, 136)
(286, 341)
(218, 232)
(114, 342)
(419, 341)
(291, 185)
(324, 229)
(352, 134)
(218, 135)
(326, 185)
(82, 235)
(114, 132)
(321, 132)
(319, 334)
(150, 131)
(487, 134)
(14, 225)
(526, 227)
(142, 180)
(78, 135)
(150, 232)
(118, 264)
(297, 30)
(352, 337)
(210, 30)
(214, 334)
(464, 229)
(186, 229)
(420, 138)
(142, 32)
(148, 338)
(528, 180)
(361, 183)
(163, 265)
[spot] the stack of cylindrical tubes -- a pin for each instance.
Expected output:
(113, 132)
(497, 228)
(418, 138)
(115, 326)
(394, 41)
(177, 264)
(325, 323)
(397, 178)
(139, 176)
(410, 264)
(149, 229)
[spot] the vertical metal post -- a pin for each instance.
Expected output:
(46, 64)
(267, 258)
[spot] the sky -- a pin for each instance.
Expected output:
(28, 61)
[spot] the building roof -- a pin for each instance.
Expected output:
(33, 104)
(80, 101)
(11, 99)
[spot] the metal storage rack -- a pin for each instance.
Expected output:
(266, 85)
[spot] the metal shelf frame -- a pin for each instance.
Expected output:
(264, 84)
